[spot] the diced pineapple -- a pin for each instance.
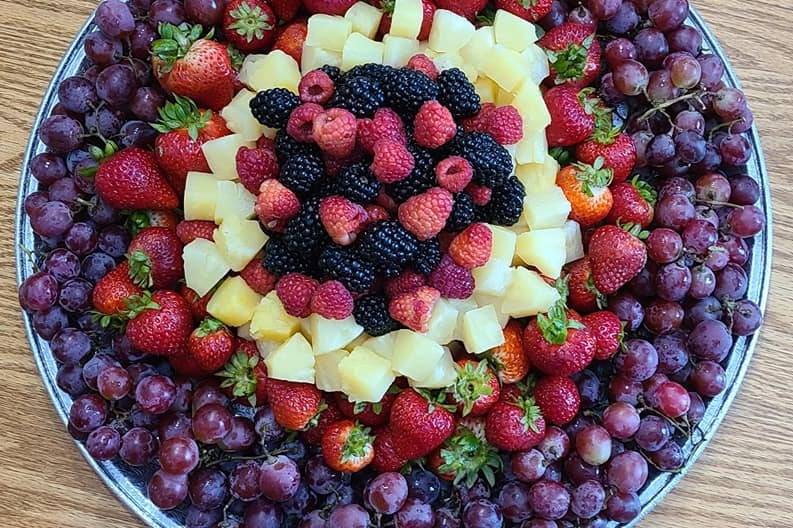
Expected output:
(450, 32)
(445, 374)
(275, 70)
(448, 60)
(247, 69)
(233, 302)
(365, 376)
(512, 31)
(481, 330)
(574, 246)
(533, 147)
(486, 89)
(239, 241)
(365, 18)
(477, 51)
(328, 31)
(442, 322)
(270, 320)
(493, 278)
(266, 346)
(415, 355)
(358, 341)
(505, 66)
(326, 366)
(483, 299)
(292, 361)
(204, 265)
(504, 98)
(537, 177)
(314, 57)
(239, 118)
(544, 249)
(361, 50)
(528, 294)
(244, 332)
(221, 155)
(233, 201)
(382, 345)
(305, 327)
(407, 18)
(503, 247)
(200, 196)
(531, 106)
(545, 209)
(328, 335)
(537, 63)
(463, 306)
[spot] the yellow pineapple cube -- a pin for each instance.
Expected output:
(233, 302)
(328, 335)
(292, 361)
(533, 147)
(305, 327)
(361, 50)
(481, 330)
(382, 345)
(442, 322)
(506, 67)
(504, 98)
(513, 32)
(537, 63)
(544, 249)
(450, 32)
(326, 366)
(477, 51)
(531, 107)
(493, 278)
(221, 155)
(448, 60)
(574, 246)
(538, 176)
(486, 89)
(204, 265)
(365, 376)
(328, 31)
(407, 18)
(244, 332)
(270, 321)
(274, 70)
(444, 375)
(365, 19)
(239, 118)
(314, 57)
(397, 51)
(239, 241)
(546, 209)
(503, 247)
(200, 196)
(528, 294)
(266, 346)
(484, 299)
(233, 201)
(415, 355)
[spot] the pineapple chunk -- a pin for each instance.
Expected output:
(328, 376)
(314, 57)
(504, 98)
(365, 18)
(239, 118)
(361, 50)
(493, 278)
(270, 320)
(513, 32)
(574, 246)
(503, 248)
(486, 89)
(477, 51)
(445, 374)
(442, 322)
(204, 265)
(407, 18)
(537, 63)
(546, 209)
(233, 302)
(328, 335)
(382, 345)
(233, 201)
(537, 177)
(266, 346)
(328, 31)
(533, 147)
(365, 376)
(221, 155)
(239, 241)
(358, 341)
(415, 355)
(544, 249)
(505, 66)
(274, 70)
(200, 196)
(463, 307)
(397, 51)
(292, 361)
(528, 294)
(450, 32)
(531, 106)
(481, 330)
(244, 332)
(446, 61)
(495, 301)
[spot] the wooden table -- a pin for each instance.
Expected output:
(744, 479)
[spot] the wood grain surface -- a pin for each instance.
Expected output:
(745, 478)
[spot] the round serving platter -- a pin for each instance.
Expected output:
(128, 484)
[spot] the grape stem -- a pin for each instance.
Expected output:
(720, 204)
(676, 425)
(667, 104)
(224, 459)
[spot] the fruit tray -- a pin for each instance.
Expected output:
(128, 484)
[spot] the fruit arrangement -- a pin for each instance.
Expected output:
(416, 263)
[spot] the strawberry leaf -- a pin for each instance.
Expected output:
(465, 456)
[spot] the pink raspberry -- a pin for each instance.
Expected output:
(424, 64)
(301, 122)
(476, 123)
(386, 202)
(392, 161)
(332, 300)
(295, 291)
(479, 194)
(254, 166)
(266, 143)
(316, 87)
(335, 131)
(414, 309)
(434, 125)
(471, 248)
(504, 124)
(260, 280)
(425, 214)
(454, 173)
(405, 282)
(334, 165)
(376, 214)
(342, 219)
(453, 281)
(386, 124)
(275, 205)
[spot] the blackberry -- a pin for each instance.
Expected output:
(334, 72)
(371, 312)
(492, 163)
(375, 71)
(428, 256)
(301, 172)
(286, 146)
(463, 213)
(388, 245)
(458, 94)
(506, 203)
(279, 260)
(406, 90)
(345, 267)
(272, 107)
(360, 95)
(357, 183)
(420, 179)
(304, 234)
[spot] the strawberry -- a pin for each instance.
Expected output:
(198, 305)
(434, 125)
(531, 10)
(189, 230)
(476, 389)
(582, 294)
(131, 179)
(634, 203)
(293, 404)
(514, 423)
(509, 359)
(586, 188)
(328, 7)
(191, 66)
(425, 214)
(615, 148)
(471, 248)
(160, 323)
(260, 280)
(185, 365)
(467, 8)
(418, 426)
(572, 115)
(387, 7)
(211, 345)
(573, 53)
(286, 10)
(155, 258)
(347, 446)
(464, 457)
(276, 204)
(183, 130)
(151, 218)
(385, 455)
(617, 256)
(414, 309)
(558, 343)
(249, 25)
(608, 332)
(291, 38)
(254, 166)
(113, 291)
(558, 399)
(371, 414)
(328, 414)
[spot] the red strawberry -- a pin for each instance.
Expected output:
(198, 305)
(160, 324)
(245, 374)
(388, 10)
(151, 218)
(558, 343)
(531, 10)
(425, 214)
(464, 457)
(260, 280)
(472, 247)
(131, 179)
(617, 256)
(572, 115)
(254, 166)
(328, 7)
(633, 203)
(185, 365)
(467, 8)
(557, 398)
(608, 332)
(276, 205)
(582, 294)
(371, 414)
(573, 53)
(328, 414)
(293, 404)
(113, 291)
(189, 230)
(514, 423)
(418, 425)
(385, 455)
(155, 258)
(414, 309)
(347, 446)
(286, 10)
(586, 188)
(191, 66)
(183, 130)
(476, 389)
(616, 148)
(342, 219)
(509, 359)
(211, 345)
(249, 25)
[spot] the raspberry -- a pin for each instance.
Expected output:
(504, 124)
(434, 125)
(479, 193)
(477, 122)
(405, 282)
(332, 300)
(414, 309)
(316, 87)
(259, 279)
(454, 173)
(385, 201)
(392, 162)
(254, 166)
(424, 64)
(453, 281)
(301, 122)
(266, 143)
(342, 219)
(335, 132)
(295, 291)
(189, 230)
(385, 124)
(275, 205)
(425, 215)
(376, 214)
(472, 247)
(333, 166)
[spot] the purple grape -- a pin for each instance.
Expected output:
(268, 429)
(240, 437)
(674, 211)
(82, 237)
(627, 471)
(387, 493)
(38, 292)
(70, 346)
(137, 446)
(513, 499)
(104, 121)
(621, 420)
(529, 466)
(103, 443)
(205, 12)
(651, 46)
(555, 445)
(103, 50)
(173, 425)
(114, 18)
(146, 102)
(630, 77)
(622, 389)
(47, 168)
(663, 316)
(744, 190)
(746, 221)
(685, 39)
(62, 264)
(735, 150)
(140, 40)
(88, 412)
(623, 507)
(116, 84)
(70, 380)
(660, 87)
(708, 379)
(624, 21)
(668, 458)
(731, 283)
(672, 281)
(588, 499)
(114, 240)
(745, 317)
(672, 352)
(653, 433)
(628, 309)
(102, 214)
(279, 476)
(619, 50)
(195, 518)
(169, 11)
(47, 323)
(167, 491)
(349, 515)
(581, 15)
(155, 394)
(696, 411)
(207, 489)
(64, 190)
(75, 295)
(690, 146)
(137, 134)
(637, 361)
(97, 265)
(555, 17)
(61, 133)
(549, 500)
(593, 445)
(77, 94)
